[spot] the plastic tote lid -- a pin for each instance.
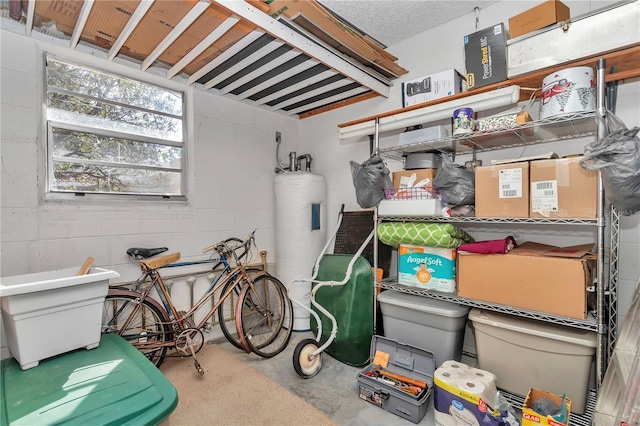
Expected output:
(423, 304)
(534, 328)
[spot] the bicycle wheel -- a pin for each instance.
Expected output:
(147, 328)
(228, 326)
(264, 315)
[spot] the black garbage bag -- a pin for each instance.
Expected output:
(617, 156)
(370, 179)
(455, 183)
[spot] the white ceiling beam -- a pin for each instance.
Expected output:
(203, 45)
(311, 93)
(277, 78)
(329, 100)
(237, 46)
(289, 36)
(131, 25)
(260, 71)
(177, 31)
(82, 21)
(31, 10)
(297, 86)
(259, 54)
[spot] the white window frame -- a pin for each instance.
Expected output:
(51, 124)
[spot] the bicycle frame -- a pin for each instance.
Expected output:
(237, 274)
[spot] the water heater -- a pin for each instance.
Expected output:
(300, 213)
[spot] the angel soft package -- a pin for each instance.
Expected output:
(427, 267)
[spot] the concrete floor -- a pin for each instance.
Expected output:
(334, 390)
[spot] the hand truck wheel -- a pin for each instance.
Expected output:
(304, 363)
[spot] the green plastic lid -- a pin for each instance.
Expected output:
(113, 384)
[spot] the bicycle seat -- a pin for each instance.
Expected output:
(144, 253)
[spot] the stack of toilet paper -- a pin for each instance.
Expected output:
(464, 395)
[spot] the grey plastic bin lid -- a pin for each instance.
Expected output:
(534, 328)
(423, 304)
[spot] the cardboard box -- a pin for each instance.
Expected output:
(431, 87)
(400, 179)
(561, 188)
(531, 417)
(543, 15)
(486, 56)
(427, 267)
(533, 276)
(502, 190)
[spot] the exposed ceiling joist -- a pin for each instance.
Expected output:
(203, 45)
(82, 21)
(141, 10)
(272, 26)
(234, 48)
(193, 14)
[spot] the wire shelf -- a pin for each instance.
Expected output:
(587, 324)
(552, 129)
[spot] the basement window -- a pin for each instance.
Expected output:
(108, 134)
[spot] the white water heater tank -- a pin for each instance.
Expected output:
(300, 199)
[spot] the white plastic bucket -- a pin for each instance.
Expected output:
(568, 91)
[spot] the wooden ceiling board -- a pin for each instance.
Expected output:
(107, 20)
(64, 13)
(197, 31)
(158, 22)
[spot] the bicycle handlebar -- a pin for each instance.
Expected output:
(224, 249)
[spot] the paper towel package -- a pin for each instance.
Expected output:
(466, 395)
(409, 367)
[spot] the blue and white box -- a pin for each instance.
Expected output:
(427, 267)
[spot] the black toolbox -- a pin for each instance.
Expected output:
(378, 382)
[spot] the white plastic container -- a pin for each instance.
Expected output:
(50, 313)
(568, 91)
(526, 354)
(426, 323)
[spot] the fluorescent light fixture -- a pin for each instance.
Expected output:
(480, 102)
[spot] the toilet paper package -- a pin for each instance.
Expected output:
(465, 395)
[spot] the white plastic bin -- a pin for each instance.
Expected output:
(50, 313)
(526, 354)
(426, 323)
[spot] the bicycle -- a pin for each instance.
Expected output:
(264, 313)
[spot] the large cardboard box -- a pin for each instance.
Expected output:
(503, 190)
(486, 56)
(401, 178)
(561, 188)
(531, 418)
(533, 276)
(434, 86)
(543, 15)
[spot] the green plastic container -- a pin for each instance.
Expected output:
(351, 304)
(113, 384)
